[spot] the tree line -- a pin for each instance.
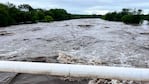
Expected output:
(127, 16)
(11, 14)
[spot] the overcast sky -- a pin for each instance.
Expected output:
(86, 6)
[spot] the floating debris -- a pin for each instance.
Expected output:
(145, 33)
(5, 33)
(85, 26)
(106, 27)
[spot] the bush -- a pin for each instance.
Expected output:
(147, 17)
(10, 14)
(113, 16)
(4, 15)
(3, 20)
(48, 18)
(126, 16)
(132, 19)
(59, 14)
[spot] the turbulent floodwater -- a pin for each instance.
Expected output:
(113, 43)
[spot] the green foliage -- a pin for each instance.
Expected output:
(13, 13)
(48, 18)
(4, 15)
(24, 13)
(127, 16)
(146, 17)
(40, 14)
(111, 16)
(10, 14)
(132, 19)
(59, 14)
(4, 19)
(25, 7)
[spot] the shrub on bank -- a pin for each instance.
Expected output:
(132, 19)
(147, 17)
(24, 13)
(48, 18)
(126, 16)
(59, 14)
(4, 15)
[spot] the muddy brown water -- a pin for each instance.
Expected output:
(113, 43)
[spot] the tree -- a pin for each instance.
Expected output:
(40, 14)
(13, 13)
(139, 12)
(114, 16)
(26, 13)
(59, 14)
(126, 16)
(25, 7)
(125, 10)
(48, 18)
(132, 19)
(4, 15)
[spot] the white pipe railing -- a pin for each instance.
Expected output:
(70, 70)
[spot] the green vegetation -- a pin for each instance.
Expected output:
(4, 15)
(132, 19)
(24, 14)
(146, 17)
(127, 16)
(58, 14)
(48, 18)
